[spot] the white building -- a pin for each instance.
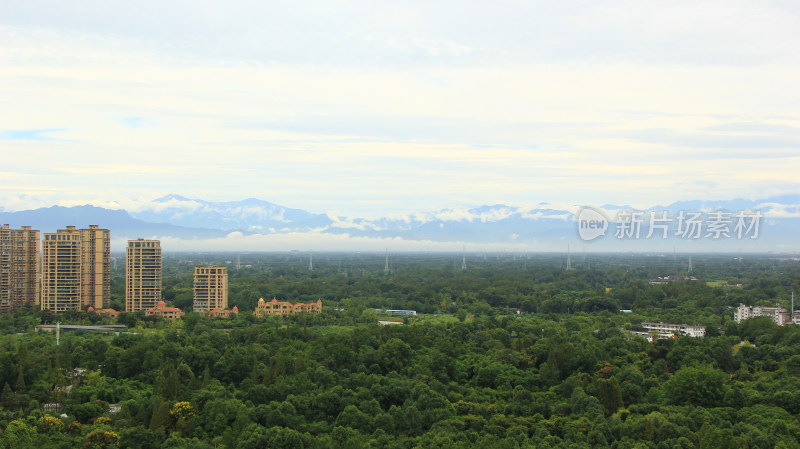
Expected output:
(675, 330)
(401, 312)
(651, 336)
(779, 315)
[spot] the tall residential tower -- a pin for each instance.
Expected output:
(142, 274)
(76, 269)
(210, 288)
(19, 268)
(96, 267)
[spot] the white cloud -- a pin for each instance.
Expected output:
(465, 214)
(538, 214)
(387, 109)
(344, 222)
(777, 210)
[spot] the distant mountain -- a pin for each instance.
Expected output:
(122, 225)
(544, 226)
(250, 214)
(765, 205)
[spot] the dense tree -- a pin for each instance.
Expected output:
(476, 374)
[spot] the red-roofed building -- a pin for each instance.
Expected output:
(223, 313)
(283, 308)
(110, 312)
(161, 310)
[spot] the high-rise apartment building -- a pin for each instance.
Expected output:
(142, 274)
(210, 288)
(19, 267)
(96, 267)
(61, 270)
(76, 269)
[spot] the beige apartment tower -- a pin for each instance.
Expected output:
(19, 268)
(142, 274)
(76, 269)
(96, 267)
(210, 288)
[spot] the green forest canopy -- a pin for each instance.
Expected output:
(467, 372)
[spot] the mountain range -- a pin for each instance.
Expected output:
(545, 227)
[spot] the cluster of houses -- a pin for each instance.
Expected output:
(160, 310)
(263, 308)
(660, 331)
(283, 308)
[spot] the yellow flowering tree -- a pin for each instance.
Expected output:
(182, 410)
(103, 420)
(182, 414)
(50, 423)
(101, 438)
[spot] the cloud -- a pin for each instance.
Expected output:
(538, 214)
(757, 128)
(33, 134)
(399, 108)
(726, 144)
(778, 210)
(136, 122)
(418, 33)
(117, 169)
(343, 222)
(463, 214)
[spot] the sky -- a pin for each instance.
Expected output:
(380, 107)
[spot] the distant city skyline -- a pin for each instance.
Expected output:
(392, 108)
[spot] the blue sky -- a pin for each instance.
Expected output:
(393, 107)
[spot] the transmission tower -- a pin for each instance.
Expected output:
(569, 264)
